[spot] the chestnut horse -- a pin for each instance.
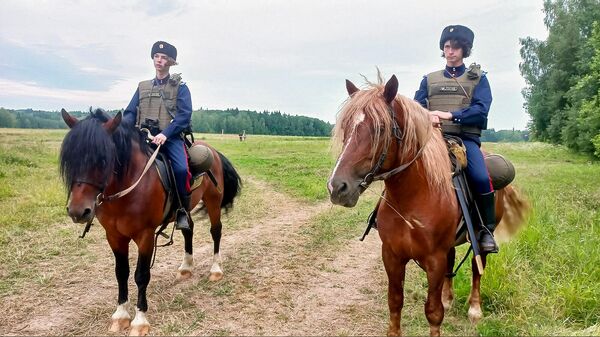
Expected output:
(390, 137)
(100, 157)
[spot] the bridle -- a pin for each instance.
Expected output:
(399, 136)
(101, 198)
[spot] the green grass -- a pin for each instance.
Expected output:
(299, 166)
(545, 281)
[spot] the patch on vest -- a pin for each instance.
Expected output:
(448, 89)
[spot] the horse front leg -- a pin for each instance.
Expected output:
(121, 318)
(396, 271)
(184, 271)
(475, 313)
(435, 267)
(140, 325)
(447, 289)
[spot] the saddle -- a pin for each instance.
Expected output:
(199, 159)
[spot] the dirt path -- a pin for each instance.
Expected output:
(274, 283)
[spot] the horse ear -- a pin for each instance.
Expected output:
(113, 123)
(351, 88)
(70, 120)
(391, 89)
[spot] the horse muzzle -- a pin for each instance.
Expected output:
(81, 214)
(342, 192)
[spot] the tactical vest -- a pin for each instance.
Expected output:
(451, 94)
(158, 103)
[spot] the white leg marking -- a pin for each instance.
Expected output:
(188, 262)
(140, 318)
(216, 268)
(216, 273)
(121, 312)
(475, 314)
(185, 270)
(120, 319)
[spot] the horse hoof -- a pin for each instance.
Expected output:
(139, 330)
(184, 275)
(475, 315)
(215, 276)
(119, 325)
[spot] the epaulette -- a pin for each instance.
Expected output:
(474, 71)
(175, 79)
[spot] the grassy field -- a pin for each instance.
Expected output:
(544, 282)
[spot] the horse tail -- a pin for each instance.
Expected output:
(232, 183)
(516, 209)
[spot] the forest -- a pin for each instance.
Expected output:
(562, 74)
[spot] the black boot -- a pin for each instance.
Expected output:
(182, 220)
(487, 208)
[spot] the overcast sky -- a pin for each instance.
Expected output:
(288, 55)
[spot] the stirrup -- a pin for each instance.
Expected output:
(182, 220)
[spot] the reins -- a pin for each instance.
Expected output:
(100, 198)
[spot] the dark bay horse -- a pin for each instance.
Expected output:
(417, 219)
(100, 157)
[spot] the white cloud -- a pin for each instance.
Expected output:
(291, 55)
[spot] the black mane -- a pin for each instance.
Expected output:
(88, 147)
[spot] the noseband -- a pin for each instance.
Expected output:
(372, 175)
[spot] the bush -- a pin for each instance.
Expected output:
(596, 142)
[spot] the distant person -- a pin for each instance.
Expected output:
(163, 105)
(459, 99)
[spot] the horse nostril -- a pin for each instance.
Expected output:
(343, 187)
(86, 213)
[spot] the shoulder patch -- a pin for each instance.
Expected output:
(474, 71)
(175, 79)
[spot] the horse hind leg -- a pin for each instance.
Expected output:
(216, 273)
(447, 289)
(475, 313)
(184, 271)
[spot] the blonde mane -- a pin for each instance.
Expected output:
(417, 132)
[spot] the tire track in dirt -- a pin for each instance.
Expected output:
(272, 284)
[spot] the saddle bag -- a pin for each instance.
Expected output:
(201, 158)
(502, 171)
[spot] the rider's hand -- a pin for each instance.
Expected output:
(442, 114)
(159, 139)
(435, 120)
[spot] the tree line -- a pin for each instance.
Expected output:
(205, 121)
(562, 74)
(504, 136)
(228, 121)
